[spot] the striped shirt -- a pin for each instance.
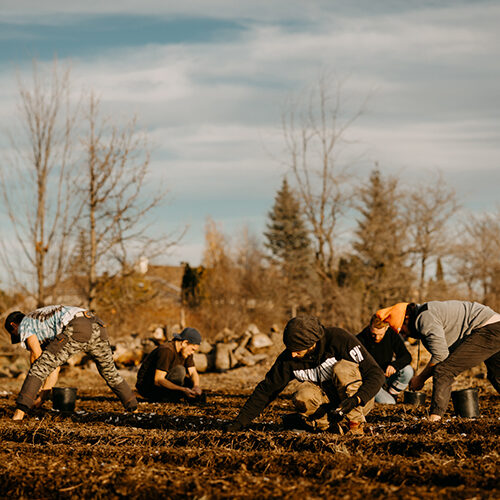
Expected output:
(46, 323)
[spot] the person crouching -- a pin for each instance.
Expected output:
(389, 351)
(338, 378)
(168, 372)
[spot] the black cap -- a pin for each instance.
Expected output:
(192, 335)
(14, 317)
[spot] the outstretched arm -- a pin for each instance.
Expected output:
(418, 381)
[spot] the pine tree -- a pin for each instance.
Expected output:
(380, 245)
(289, 243)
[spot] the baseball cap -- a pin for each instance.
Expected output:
(192, 335)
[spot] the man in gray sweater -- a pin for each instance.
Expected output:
(458, 334)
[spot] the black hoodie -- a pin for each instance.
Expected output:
(333, 345)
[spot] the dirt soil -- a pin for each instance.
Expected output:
(181, 450)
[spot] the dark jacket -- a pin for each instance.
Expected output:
(383, 351)
(335, 344)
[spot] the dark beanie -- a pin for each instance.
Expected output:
(302, 332)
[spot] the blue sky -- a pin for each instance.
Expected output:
(209, 80)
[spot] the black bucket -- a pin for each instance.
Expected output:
(63, 398)
(466, 402)
(414, 398)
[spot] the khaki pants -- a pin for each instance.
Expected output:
(312, 402)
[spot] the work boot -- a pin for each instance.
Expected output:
(356, 428)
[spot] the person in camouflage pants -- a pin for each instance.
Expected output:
(84, 333)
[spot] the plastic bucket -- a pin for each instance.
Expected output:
(414, 398)
(63, 398)
(466, 402)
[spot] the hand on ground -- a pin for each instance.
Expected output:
(190, 393)
(347, 405)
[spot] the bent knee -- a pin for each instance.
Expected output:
(346, 372)
(444, 370)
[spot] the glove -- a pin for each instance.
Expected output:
(347, 405)
(234, 426)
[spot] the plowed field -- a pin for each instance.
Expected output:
(179, 451)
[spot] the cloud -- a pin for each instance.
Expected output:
(259, 10)
(213, 108)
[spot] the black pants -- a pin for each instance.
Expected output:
(483, 344)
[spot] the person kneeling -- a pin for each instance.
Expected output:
(384, 344)
(168, 373)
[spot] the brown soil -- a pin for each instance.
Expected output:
(180, 451)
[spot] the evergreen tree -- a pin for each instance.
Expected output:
(290, 245)
(380, 246)
(437, 288)
(439, 271)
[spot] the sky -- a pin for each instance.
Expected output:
(209, 81)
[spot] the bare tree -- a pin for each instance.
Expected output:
(314, 132)
(219, 286)
(116, 201)
(36, 183)
(429, 209)
(478, 256)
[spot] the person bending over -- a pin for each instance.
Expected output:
(458, 334)
(53, 334)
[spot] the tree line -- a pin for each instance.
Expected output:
(74, 188)
(408, 243)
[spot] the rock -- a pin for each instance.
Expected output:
(128, 357)
(225, 335)
(244, 356)
(253, 329)
(259, 357)
(258, 342)
(244, 339)
(205, 347)
(200, 362)
(223, 355)
(232, 359)
(4, 362)
(159, 334)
